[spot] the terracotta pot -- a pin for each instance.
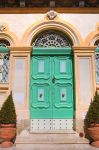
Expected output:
(7, 125)
(6, 144)
(94, 125)
(94, 134)
(7, 134)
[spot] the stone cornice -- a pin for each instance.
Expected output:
(92, 10)
(20, 50)
(4, 86)
(89, 49)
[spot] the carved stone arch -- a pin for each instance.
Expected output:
(92, 37)
(65, 28)
(8, 35)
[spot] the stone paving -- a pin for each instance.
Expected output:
(53, 147)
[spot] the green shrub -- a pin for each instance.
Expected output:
(92, 116)
(7, 112)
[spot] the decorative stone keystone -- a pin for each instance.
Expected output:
(3, 27)
(51, 15)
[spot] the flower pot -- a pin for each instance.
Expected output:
(94, 134)
(7, 125)
(7, 134)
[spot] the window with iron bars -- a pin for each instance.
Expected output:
(97, 61)
(4, 60)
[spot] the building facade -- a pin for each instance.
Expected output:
(51, 63)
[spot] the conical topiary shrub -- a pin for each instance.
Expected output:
(7, 112)
(8, 122)
(92, 122)
(92, 116)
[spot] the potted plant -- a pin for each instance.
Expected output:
(92, 120)
(7, 122)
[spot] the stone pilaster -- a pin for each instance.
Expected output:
(84, 82)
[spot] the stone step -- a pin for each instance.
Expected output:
(54, 147)
(51, 137)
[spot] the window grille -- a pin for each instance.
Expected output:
(4, 61)
(97, 61)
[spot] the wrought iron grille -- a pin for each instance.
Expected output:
(97, 43)
(97, 62)
(97, 68)
(4, 66)
(4, 42)
(52, 39)
(4, 62)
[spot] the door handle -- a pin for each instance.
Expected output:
(53, 80)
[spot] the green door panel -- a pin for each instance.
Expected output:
(63, 67)
(63, 87)
(63, 101)
(51, 87)
(40, 67)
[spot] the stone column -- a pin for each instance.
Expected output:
(84, 82)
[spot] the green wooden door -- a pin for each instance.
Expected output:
(51, 86)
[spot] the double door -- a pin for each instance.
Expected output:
(51, 89)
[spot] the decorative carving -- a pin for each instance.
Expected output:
(51, 15)
(41, 95)
(63, 95)
(2, 28)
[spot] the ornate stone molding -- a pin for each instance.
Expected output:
(3, 27)
(58, 25)
(51, 15)
(22, 50)
(4, 87)
(7, 35)
(93, 36)
(85, 49)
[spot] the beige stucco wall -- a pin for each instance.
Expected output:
(19, 23)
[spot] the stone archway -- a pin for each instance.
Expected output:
(39, 27)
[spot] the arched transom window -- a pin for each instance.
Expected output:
(51, 39)
(4, 60)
